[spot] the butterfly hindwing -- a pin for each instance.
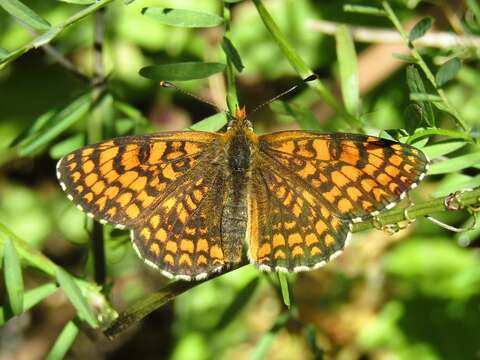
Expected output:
(182, 238)
(290, 229)
(356, 176)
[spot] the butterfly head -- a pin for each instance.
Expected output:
(239, 119)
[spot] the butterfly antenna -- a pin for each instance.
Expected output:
(283, 93)
(169, 85)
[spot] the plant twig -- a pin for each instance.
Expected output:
(53, 32)
(428, 73)
(439, 39)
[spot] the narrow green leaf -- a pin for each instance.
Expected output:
(283, 280)
(182, 18)
(30, 299)
(66, 146)
(420, 28)
(241, 299)
(25, 14)
(442, 132)
(39, 122)
(266, 341)
(181, 71)
(455, 164)
(211, 123)
(13, 277)
(58, 123)
(405, 57)
(443, 148)
(232, 53)
(63, 342)
(367, 10)
(74, 294)
(416, 86)
(447, 71)
(131, 112)
(347, 61)
(425, 97)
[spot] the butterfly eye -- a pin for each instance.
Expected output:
(230, 124)
(249, 124)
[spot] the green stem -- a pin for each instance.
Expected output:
(156, 300)
(95, 134)
(426, 70)
(53, 32)
(300, 66)
(232, 97)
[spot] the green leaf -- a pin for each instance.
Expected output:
(266, 341)
(55, 125)
(455, 164)
(443, 148)
(182, 18)
(405, 57)
(30, 299)
(413, 118)
(415, 84)
(25, 14)
(13, 277)
(63, 342)
(181, 71)
(447, 71)
(131, 112)
(66, 146)
(211, 123)
(72, 291)
(36, 126)
(241, 299)
(232, 53)
(367, 10)
(347, 61)
(420, 28)
(283, 280)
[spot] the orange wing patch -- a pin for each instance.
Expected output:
(356, 176)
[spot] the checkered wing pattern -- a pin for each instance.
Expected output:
(162, 186)
(354, 176)
(290, 228)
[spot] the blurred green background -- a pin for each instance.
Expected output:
(411, 295)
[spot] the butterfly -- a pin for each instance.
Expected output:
(193, 199)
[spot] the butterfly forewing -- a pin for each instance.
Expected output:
(355, 176)
(120, 181)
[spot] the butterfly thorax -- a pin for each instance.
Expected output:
(240, 143)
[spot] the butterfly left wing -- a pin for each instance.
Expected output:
(355, 176)
(120, 180)
(289, 228)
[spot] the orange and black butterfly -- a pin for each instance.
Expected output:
(192, 199)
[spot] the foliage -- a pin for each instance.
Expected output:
(74, 72)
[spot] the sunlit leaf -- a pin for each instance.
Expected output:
(211, 123)
(455, 164)
(64, 342)
(25, 14)
(348, 67)
(74, 294)
(182, 18)
(232, 53)
(13, 277)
